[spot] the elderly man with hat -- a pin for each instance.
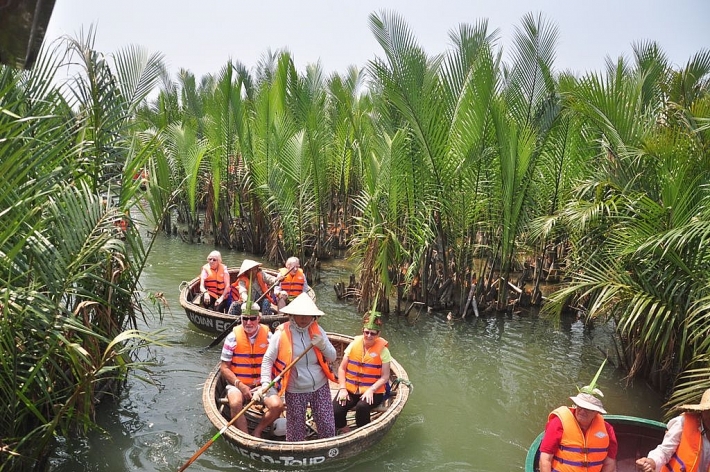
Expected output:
(306, 383)
(240, 367)
(251, 277)
(293, 282)
(686, 445)
(577, 438)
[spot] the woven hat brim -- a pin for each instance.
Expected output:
(587, 405)
(704, 404)
(302, 305)
(247, 264)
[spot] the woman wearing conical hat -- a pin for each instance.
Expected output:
(251, 278)
(363, 374)
(306, 383)
(686, 445)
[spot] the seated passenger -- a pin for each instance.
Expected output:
(363, 374)
(241, 358)
(214, 283)
(293, 282)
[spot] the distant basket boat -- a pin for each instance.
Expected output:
(636, 437)
(312, 452)
(214, 322)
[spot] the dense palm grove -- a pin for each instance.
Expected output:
(69, 295)
(443, 176)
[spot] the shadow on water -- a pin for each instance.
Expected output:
(483, 387)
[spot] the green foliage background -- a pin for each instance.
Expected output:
(440, 174)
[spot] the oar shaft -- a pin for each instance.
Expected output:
(248, 405)
(267, 291)
(224, 333)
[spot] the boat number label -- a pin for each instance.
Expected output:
(201, 320)
(287, 460)
(213, 324)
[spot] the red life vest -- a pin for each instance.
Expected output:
(285, 355)
(293, 283)
(580, 451)
(364, 367)
(689, 450)
(214, 282)
(246, 360)
(245, 279)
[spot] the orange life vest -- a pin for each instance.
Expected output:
(293, 283)
(122, 224)
(285, 355)
(245, 279)
(214, 282)
(580, 451)
(364, 367)
(246, 360)
(685, 458)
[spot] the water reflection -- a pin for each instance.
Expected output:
(483, 387)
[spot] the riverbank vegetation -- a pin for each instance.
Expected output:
(70, 257)
(419, 166)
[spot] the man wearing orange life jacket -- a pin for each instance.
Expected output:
(686, 445)
(363, 374)
(214, 283)
(306, 383)
(251, 278)
(577, 439)
(240, 368)
(293, 282)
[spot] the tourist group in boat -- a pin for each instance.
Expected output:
(269, 292)
(252, 356)
(291, 367)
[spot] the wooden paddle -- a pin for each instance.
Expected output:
(229, 328)
(248, 405)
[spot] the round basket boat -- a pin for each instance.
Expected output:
(634, 436)
(312, 452)
(214, 322)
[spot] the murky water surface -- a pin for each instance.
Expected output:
(482, 387)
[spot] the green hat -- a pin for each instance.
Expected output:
(587, 396)
(372, 320)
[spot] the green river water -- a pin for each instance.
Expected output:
(482, 387)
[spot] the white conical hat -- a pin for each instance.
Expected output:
(302, 305)
(246, 265)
